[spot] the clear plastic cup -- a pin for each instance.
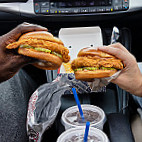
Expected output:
(77, 135)
(95, 115)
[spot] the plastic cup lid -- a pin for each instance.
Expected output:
(84, 107)
(78, 133)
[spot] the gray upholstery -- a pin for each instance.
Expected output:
(14, 96)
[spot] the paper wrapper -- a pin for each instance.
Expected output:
(45, 103)
(77, 38)
(98, 84)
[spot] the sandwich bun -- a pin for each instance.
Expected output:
(43, 46)
(90, 75)
(90, 51)
(91, 63)
(47, 61)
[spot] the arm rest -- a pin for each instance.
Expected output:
(118, 128)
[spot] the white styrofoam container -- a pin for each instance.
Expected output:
(80, 37)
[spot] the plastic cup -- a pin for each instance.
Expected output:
(77, 135)
(95, 115)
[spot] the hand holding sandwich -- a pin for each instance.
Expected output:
(11, 62)
(130, 79)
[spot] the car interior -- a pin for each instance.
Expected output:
(124, 123)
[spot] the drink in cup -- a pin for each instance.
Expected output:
(71, 117)
(77, 135)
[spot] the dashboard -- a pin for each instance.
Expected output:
(79, 6)
(56, 10)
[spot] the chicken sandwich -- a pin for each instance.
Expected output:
(92, 63)
(41, 45)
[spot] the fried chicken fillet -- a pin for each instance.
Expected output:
(92, 63)
(41, 45)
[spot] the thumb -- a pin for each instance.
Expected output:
(21, 60)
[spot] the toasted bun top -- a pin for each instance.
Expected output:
(90, 51)
(41, 35)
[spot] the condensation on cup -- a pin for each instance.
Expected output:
(95, 115)
(77, 135)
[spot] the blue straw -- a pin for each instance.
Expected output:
(78, 103)
(86, 131)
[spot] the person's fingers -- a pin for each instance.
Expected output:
(19, 30)
(26, 27)
(26, 23)
(23, 28)
(119, 45)
(13, 63)
(21, 60)
(120, 54)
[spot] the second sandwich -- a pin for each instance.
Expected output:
(91, 63)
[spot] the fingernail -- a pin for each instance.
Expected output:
(101, 47)
(42, 27)
(26, 23)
